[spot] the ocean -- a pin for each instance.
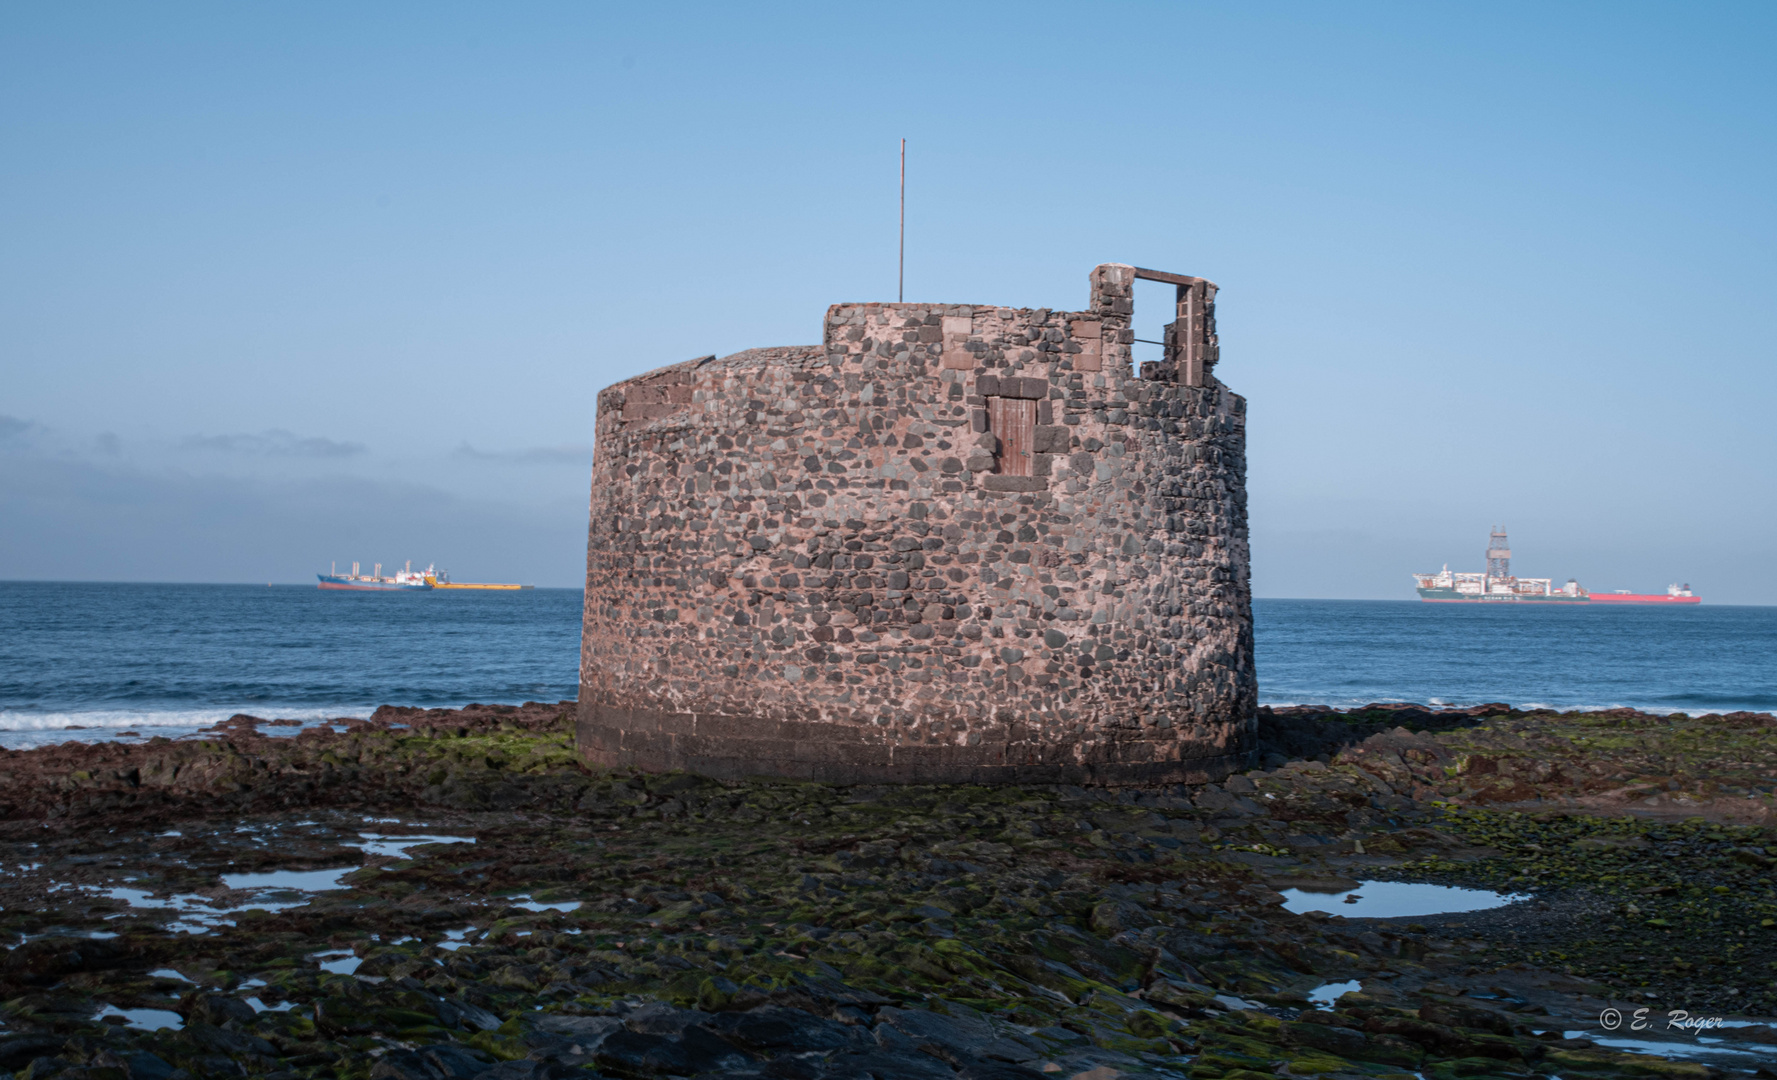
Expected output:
(86, 661)
(169, 659)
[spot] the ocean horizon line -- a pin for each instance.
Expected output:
(581, 588)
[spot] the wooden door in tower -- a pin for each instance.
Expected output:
(1013, 422)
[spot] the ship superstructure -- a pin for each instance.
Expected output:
(1499, 586)
(404, 580)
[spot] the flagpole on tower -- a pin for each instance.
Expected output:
(901, 273)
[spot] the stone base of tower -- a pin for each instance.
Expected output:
(740, 747)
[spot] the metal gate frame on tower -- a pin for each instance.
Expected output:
(1191, 347)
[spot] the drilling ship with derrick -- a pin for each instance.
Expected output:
(1499, 586)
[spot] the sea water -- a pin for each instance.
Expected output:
(170, 659)
(86, 661)
(1660, 658)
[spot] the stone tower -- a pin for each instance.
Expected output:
(951, 543)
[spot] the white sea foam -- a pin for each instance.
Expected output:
(1346, 704)
(24, 728)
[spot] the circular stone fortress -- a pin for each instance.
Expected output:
(951, 543)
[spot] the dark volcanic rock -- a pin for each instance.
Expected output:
(773, 1029)
(637, 925)
(17, 1051)
(216, 1009)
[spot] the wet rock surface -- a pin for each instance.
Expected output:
(451, 894)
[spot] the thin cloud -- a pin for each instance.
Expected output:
(275, 443)
(11, 427)
(67, 519)
(564, 454)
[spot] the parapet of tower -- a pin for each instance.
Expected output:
(951, 543)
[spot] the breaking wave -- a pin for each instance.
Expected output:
(21, 729)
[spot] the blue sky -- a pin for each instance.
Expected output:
(283, 285)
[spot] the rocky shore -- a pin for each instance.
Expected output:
(442, 895)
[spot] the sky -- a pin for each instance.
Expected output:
(283, 286)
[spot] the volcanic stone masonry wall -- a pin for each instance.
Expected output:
(949, 544)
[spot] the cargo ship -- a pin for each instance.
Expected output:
(1499, 586)
(405, 580)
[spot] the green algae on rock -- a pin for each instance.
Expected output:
(773, 928)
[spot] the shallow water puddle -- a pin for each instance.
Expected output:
(1331, 992)
(300, 880)
(524, 901)
(146, 1019)
(62, 932)
(453, 939)
(201, 914)
(139, 898)
(1704, 1048)
(400, 846)
(273, 890)
(197, 914)
(167, 973)
(1396, 900)
(338, 962)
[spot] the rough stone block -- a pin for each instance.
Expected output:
(956, 355)
(1051, 439)
(1014, 483)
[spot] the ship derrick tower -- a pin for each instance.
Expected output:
(1499, 555)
